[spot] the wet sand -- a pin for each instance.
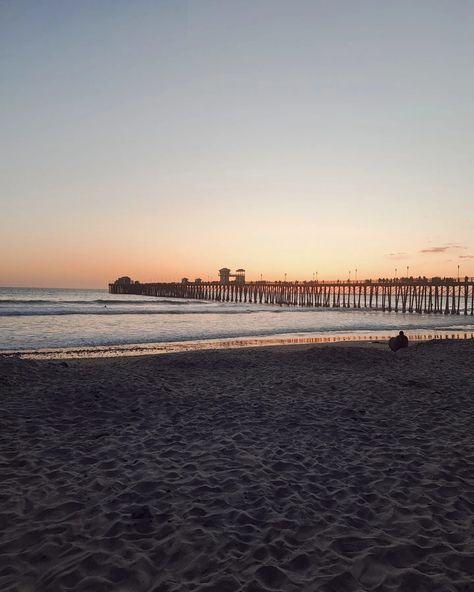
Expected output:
(375, 339)
(303, 468)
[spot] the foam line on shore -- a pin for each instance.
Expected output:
(101, 351)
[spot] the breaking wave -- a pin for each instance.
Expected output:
(93, 312)
(129, 302)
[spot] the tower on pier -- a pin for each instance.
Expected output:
(240, 276)
(225, 275)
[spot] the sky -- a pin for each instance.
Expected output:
(168, 139)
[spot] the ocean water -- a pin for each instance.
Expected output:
(57, 318)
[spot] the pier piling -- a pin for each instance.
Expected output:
(413, 296)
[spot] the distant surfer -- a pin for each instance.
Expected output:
(398, 342)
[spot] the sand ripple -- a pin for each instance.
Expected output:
(310, 469)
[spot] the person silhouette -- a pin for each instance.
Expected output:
(398, 342)
(402, 340)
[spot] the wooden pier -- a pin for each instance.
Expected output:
(406, 295)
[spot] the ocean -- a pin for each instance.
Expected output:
(42, 318)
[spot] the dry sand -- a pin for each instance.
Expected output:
(293, 469)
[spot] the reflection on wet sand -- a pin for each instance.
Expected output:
(374, 339)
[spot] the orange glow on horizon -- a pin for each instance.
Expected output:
(85, 270)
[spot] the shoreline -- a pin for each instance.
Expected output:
(148, 349)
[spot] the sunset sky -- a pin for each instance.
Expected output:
(169, 139)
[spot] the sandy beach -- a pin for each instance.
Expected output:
(301, 468)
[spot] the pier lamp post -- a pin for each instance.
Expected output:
(349, 275)
(396, 272)
(356, 275)
(313, 276)
(458, 273)
(408, 270)
(316, 277)
(285, 277)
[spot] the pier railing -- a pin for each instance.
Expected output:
(412, 296)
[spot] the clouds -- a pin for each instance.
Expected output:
(397, 256)
(435, 250)
(451, 252)
(442, 249)
(447, 248)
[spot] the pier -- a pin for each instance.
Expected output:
(435, 296)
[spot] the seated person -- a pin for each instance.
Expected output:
(398, 342)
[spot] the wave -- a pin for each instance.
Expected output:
(150, 300)
(102, 301)
(92, 312)
(6, 301)
(388, 325)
